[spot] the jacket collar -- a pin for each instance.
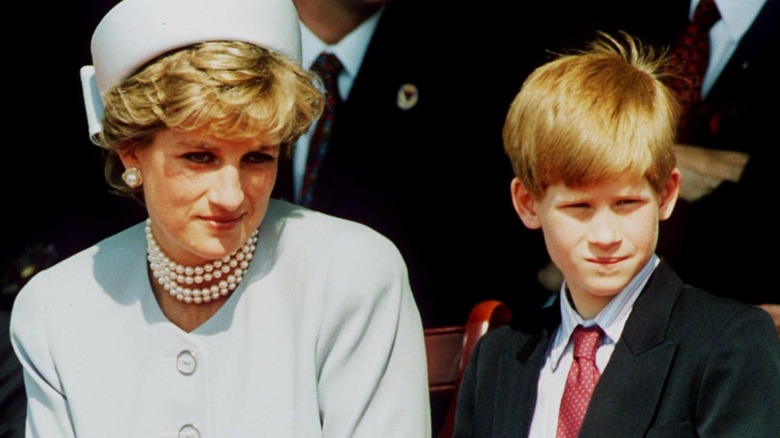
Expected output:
(630, 387)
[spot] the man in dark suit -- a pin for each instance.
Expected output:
(415, 151)
(720, 221)
(725, 220)
(628, 349)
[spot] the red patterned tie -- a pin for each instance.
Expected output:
(582, 379)
(327, 66)
(690, 55)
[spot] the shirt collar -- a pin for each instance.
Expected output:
(611, 319)
(350, 50)
(737, 15)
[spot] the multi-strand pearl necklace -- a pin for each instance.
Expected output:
(185, 282)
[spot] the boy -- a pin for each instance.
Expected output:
(590, 139)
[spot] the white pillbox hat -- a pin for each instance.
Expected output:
(135, 32)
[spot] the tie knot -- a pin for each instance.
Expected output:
(327, 66)
(586, 341)
(706, 14)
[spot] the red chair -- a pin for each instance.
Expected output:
(448, 350)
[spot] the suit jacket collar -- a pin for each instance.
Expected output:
(346, 155)
(517, 384)
(518, 374)
(646, 326)
(630, 387)
(334, 178)
(757, 41)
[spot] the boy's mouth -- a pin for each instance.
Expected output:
(607, 261)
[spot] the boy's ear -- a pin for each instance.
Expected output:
(525, 205)
(669, 195)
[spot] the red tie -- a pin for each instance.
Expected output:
(582, 379)
(327, 66)
(690, 55)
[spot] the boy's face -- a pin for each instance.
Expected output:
(601, 235)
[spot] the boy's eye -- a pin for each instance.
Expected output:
(199, 157)
(628, 202)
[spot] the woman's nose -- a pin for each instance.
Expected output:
(227, 191)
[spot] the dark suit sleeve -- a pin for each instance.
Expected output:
(13, 401)
(464, 413)
(740, 387)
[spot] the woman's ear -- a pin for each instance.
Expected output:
(128, 155)
(669, 195)
(525, 205)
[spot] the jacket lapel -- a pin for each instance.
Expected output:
(516, 392)
(755, 44)
(350, 145)
(516, 386)
(631, 386)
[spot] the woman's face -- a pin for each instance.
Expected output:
(205, 195)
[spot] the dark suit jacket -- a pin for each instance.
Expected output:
(688, 364)
(714, 248)
(13, 400)
(433, 178)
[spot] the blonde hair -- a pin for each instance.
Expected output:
(592, 116)
(232, 90)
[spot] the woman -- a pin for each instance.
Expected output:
(12, 398)
(226, 314)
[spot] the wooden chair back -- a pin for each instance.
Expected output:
(448, 351)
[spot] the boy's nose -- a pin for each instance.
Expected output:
(604, 230)
(227, 191)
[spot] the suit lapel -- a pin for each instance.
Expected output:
(516, 387)
(630, 388)
(343, 158)
(349, 145)
(516, 392)
(756, 43)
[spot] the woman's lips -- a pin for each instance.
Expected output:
(222, 223)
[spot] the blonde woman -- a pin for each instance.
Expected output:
(225, 314)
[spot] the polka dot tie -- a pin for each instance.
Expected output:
(327, 66)
(582, 379)
(690, 55)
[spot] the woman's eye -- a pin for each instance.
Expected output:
(199, 157)
(259, 157)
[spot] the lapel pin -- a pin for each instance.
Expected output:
(408, 95)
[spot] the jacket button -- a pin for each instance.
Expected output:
(186, 362)
(189, 431)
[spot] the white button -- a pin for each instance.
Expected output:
(186, 362)
(189, 431)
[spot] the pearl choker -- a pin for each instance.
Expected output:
(186, 282)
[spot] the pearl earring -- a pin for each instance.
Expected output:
(133, 177)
